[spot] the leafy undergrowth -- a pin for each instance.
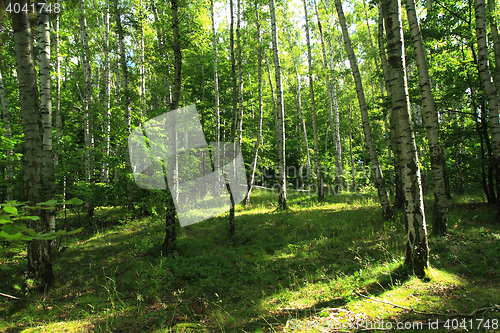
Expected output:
(316, 267)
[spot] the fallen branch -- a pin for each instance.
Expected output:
(490, 308)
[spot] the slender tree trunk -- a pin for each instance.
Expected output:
(273, 98)
(280, 132)
(107, 98)
(46, 111)
(496, 41)
(261, 109)
(234, 118)
(126, 100)
(379, 178)
(431, 124)
(39, 256)
(143, 70)
(332, 101)
(160, 34)
(299, 102)
(394, 138)
(216, 88)
(319, 176)
(10, 152)
(58, 91)
(87, 107)
(240, 76)
(489, 88)
(417, 249)
(171, 165)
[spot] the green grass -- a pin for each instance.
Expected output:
(271, 275)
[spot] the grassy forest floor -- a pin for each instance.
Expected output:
(316, 267)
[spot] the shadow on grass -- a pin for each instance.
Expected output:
(277, 266)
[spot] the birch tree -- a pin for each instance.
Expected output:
(39, 255)
(417, 249)
(431, 124)
(216, 88)
(379, 179)
(261, 109)
(171, 164)
(87, 104)
(319, 177)
(107, 97)
(488, 87)
(332, 103)
(46, 111)
(280, 139)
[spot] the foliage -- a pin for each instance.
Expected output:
(13, 216)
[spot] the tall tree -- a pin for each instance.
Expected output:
(319, 176)
(379, 178)
(261, 109)
(126, 98)
(417, 249)
(39, 256)
(107, 97)
(280, 132)
(431, 124)
(489, 88)
(332, 103)
(87, 104)
(46, 111)
(170, 223)
(216, 89)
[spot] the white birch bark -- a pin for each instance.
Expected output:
(488, 87)
(417, 249)
(46, 111)
(107, 98)
(319, 177)
(261, 109)
(431, 124)
(282, 201)
(332, 103)
(379, 179)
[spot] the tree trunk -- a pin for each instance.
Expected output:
(234, 117)
(280, 132)
(39, 257)
(299, 103)
(10, 152)
(240, 76)
(171, 164)
(261, 109)
(87, 107)
(394, 139)
(46, 111)
(379, 178)
(417, 249)
(58, 91)
(431, 124)
(489, 88)
(216, 89)
(496, 41)
(332, 101)
(107, 98)
(319, 178)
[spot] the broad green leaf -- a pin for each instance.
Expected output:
(10, 210)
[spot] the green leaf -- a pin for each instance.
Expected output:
(10, 210)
